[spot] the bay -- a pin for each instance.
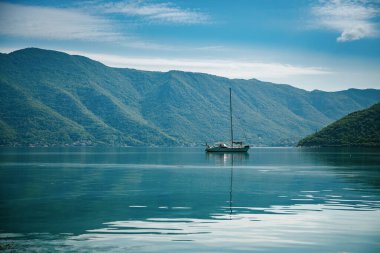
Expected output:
(184, 200)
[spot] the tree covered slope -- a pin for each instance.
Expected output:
(52, 98)
(361, 128)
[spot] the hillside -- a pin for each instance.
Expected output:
(361, 128)
(52, 98)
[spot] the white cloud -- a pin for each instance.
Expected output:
(353, 19)
(225, 68)
(77, 24)
(54, 23)
(160, 12)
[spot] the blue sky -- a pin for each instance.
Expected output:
(322, 44)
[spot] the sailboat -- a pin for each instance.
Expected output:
(234, 146)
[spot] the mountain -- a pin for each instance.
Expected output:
(52, 98)
(361, 128)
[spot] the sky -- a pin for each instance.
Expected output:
(322, 44)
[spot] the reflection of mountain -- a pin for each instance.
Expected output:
(80, 190)
(359, 165)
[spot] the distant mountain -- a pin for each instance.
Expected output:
(52, 98)
(361, 128)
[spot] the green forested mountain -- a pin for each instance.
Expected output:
(52, 98)
(361, 128)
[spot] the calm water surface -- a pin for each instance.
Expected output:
(183, 200)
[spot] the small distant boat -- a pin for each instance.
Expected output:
(234, 146)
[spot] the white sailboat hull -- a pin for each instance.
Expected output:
(227, 149)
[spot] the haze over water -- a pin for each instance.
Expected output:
(183, 200)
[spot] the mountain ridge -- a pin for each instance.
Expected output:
(90, 103)
(358, 129)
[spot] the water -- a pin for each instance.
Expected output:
(183, 200)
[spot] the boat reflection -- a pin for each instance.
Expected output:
(226, 159)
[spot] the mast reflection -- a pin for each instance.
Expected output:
(231, 178)
(230, 160)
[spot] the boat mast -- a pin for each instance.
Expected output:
(232, 133)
